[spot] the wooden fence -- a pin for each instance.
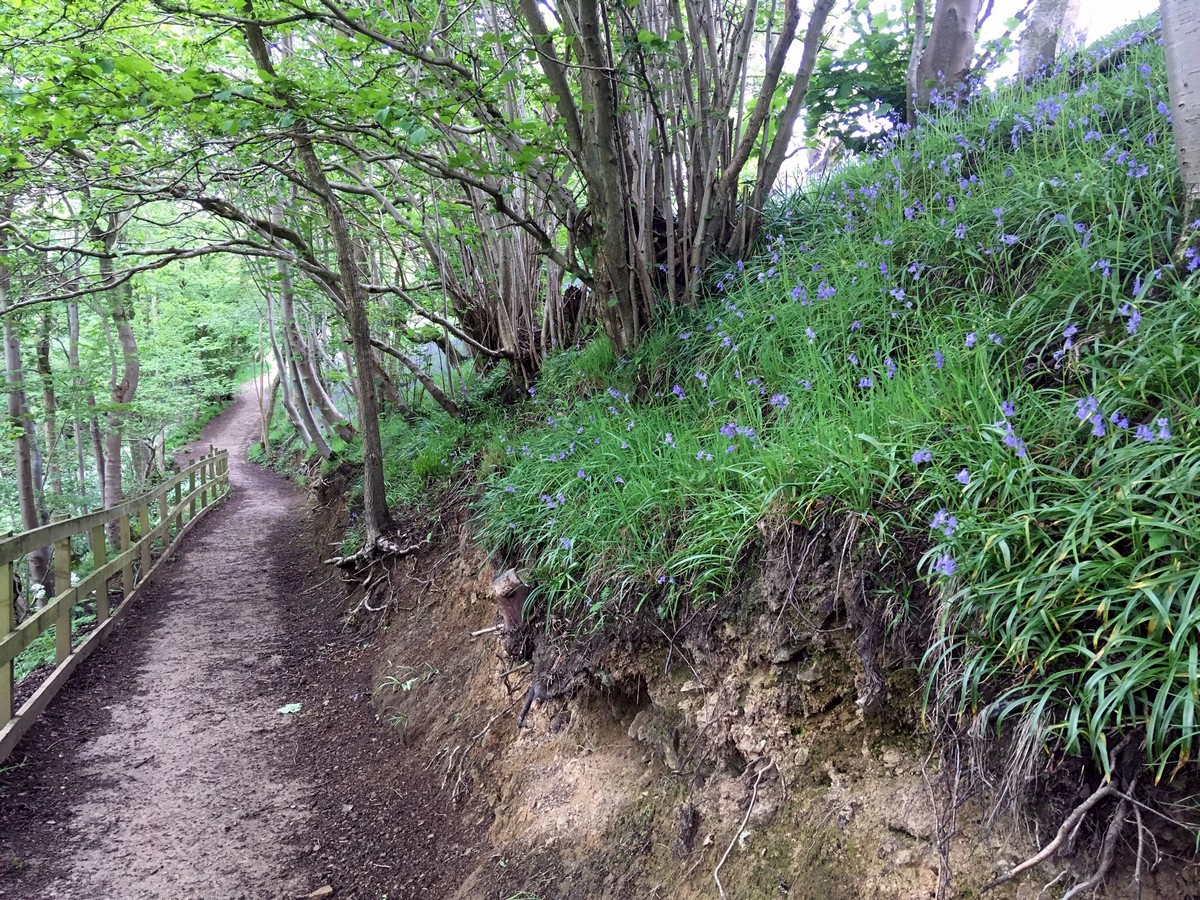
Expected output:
(176, 504)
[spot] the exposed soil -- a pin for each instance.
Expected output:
(164, 768)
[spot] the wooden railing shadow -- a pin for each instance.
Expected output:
(177, 504)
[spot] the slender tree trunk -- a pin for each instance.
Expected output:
(1181, 41)
(1050, 22)
(18, 416)
(293, 340)
(911, 85)
(428, 383)
(78, 425)
(123, 378)
(376, 518)
(947, 59)
(268, 412)
(49, 408)
(97, 446)
(302, 422)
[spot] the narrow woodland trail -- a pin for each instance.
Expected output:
(157, 773)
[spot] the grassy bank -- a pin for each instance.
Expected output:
(978, 343)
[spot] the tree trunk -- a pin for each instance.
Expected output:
(375, 511)
(97, 446)
(1050, 22)
(298, 350)
(270, 398)
(1181, 41)
(49, 409)
(78, 425)
(18, 415)
(915, 53)
(947, 58)
(123, 376)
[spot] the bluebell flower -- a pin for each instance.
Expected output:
(1086, 407)
(944, 522)
(1012, 440)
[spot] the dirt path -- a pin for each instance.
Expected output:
(159, 772)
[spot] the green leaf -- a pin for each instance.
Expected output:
(132, 65)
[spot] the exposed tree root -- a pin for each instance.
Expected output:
(1065, 831)
(372, 554)
(1115, 826)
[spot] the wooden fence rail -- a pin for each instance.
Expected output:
(177, 504)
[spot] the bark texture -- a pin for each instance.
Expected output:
(18, 414)
(1181, 41)
(947, 58)
(1053, 25)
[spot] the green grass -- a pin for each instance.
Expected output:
(916, 344)
(40, 651)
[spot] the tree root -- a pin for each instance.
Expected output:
(1064, 834)
(383, 548)
(746, 818)
(1115, 826)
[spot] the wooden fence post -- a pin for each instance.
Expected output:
(62, 585)
(99, 561)
(144, 537)
(127, 569)
(177, 502)
(204, 463)
(6, 627)
(191, 495)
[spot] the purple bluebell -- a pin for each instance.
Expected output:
(944, 521)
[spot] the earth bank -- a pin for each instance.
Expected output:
(765, 743)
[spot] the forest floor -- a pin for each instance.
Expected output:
(165, 768)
